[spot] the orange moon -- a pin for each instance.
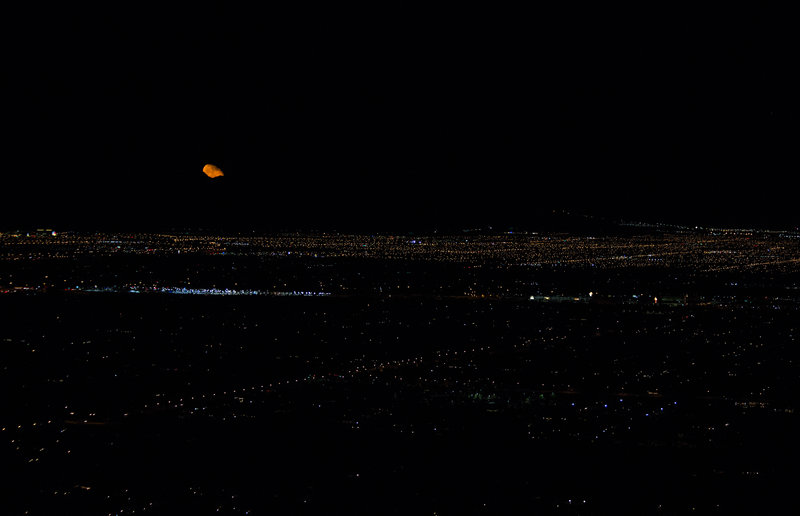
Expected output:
(212, 171)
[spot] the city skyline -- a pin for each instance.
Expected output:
(341, 374)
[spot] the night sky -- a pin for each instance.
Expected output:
(396, 119)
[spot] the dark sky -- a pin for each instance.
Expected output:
(394, 118)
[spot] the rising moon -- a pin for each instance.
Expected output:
(212, 171)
